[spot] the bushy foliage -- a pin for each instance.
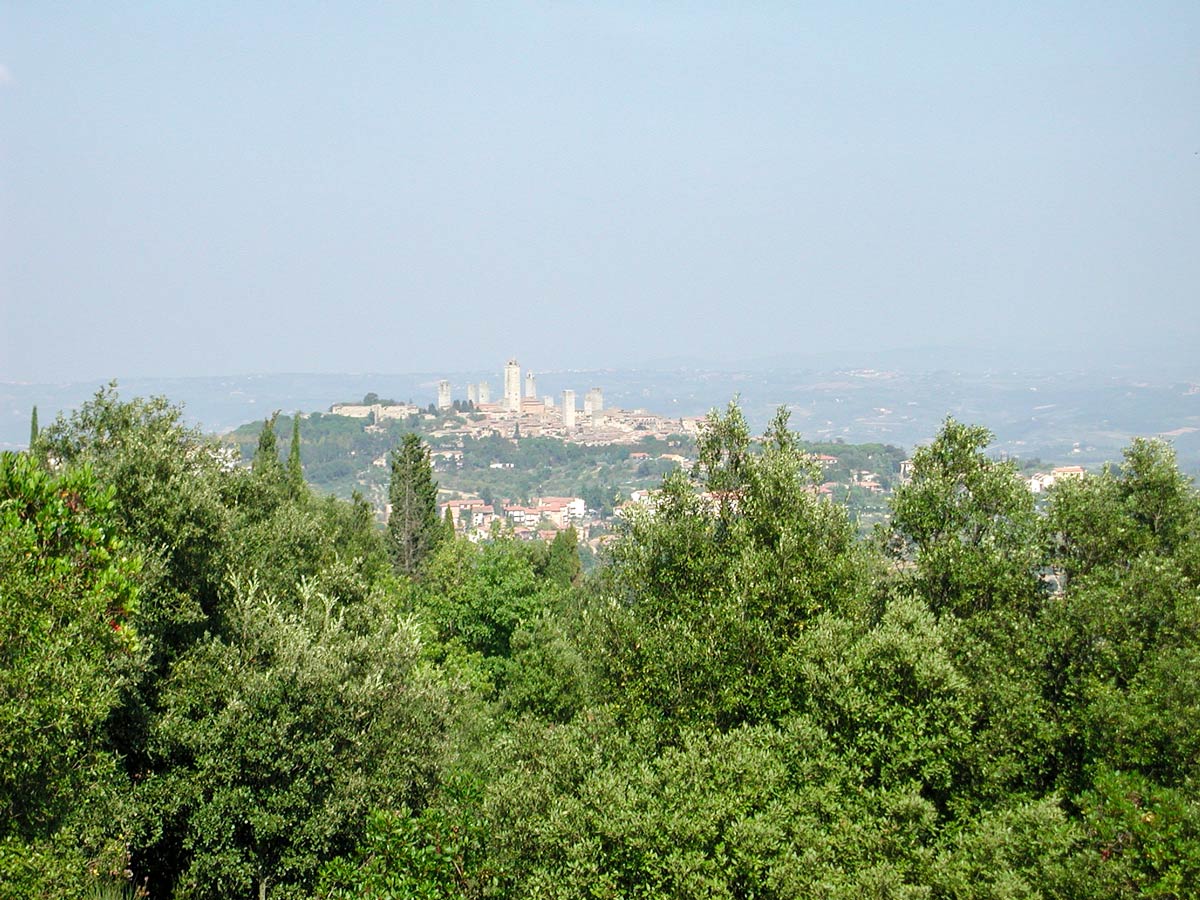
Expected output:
(68, 645)
(252, 718)
(217, 684)
(1124, 641)
(712, 586)
(277, 739)
(967, 524)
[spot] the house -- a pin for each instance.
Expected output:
(1041, 481)
(470, 514)
(1068, 472)
(572, 509)
(561, 512)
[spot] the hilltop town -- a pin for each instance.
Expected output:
(619, 458)
(520, 412)
(532, 465)
(455, 425)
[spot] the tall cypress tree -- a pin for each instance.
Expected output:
(295, 472)
(33, 427)
(413, 526)
(266, 455)
(563, 566)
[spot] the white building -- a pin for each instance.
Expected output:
(1042, 482)
(530, 386)
(444, 401)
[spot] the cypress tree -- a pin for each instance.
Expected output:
(33, 427)
(413, 527)
(266, 455)
(563, 565)
(295, 472)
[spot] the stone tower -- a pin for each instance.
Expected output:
(512, 386)
(568, 412)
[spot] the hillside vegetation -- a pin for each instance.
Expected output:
(216, 683)
(343, 455)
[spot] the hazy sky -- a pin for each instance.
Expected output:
(201, 188)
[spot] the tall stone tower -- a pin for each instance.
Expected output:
(594, 402)
(512, 386)
(568, 414)
(472, 393)
(485, 392)
(530, 386)
(444, 401)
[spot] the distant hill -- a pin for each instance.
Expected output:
(1071, 415)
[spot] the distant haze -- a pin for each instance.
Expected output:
(194, 189)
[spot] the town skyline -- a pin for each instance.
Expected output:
(519, 411)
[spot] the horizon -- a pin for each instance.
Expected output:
(1064, 415)
(1170, 359)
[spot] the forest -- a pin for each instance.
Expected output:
(216, 682)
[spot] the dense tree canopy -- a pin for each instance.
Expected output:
(216, 683)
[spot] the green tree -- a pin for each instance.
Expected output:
(1123, 646)
(33, 427)
(198, 522)
(968, 524)
(1146, 506)
(295, 472)
(277, 739)
(1143, 839)
(563, 566)
(413, 526)
(68, 647)
(436, 854)
(476, 595)
(173, 498)
(709, 588)
(266, 455)
(967, 539)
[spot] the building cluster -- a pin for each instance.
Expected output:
(520, 411)
(542, 518)
(380, 411)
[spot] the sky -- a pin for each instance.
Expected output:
(227, 188)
